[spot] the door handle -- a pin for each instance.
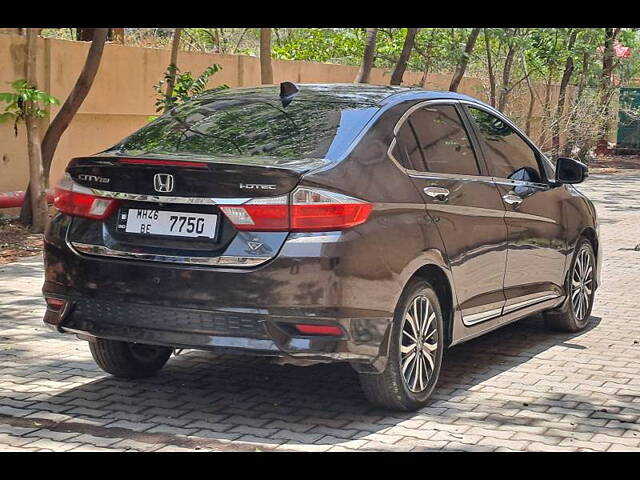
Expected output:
(437, 193)
(512, 199)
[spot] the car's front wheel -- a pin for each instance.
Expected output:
(574, 314)
(415, 352)
(128, 360)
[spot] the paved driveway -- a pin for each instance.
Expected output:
(519, 388)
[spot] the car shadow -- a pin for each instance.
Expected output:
(231, 396)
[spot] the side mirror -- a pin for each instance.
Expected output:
(569, 170)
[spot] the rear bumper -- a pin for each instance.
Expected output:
(313, 280)
(222, 330)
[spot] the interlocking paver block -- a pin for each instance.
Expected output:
(519, 388)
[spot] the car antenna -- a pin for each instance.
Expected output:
(287, 91)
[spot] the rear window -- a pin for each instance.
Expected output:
(252, 127)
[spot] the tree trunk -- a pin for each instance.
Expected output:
(570, 145)
(425, 72)
(244, 31)
(401, 64)
(39, 214)
(173, 67)
(266, 69)
(564, 82)
(532, 95)
(428, 58)
(464, 61)
(67, 112)
(545, 109)
(368, 56)
(506, 75)
(583, 75)
(608, 64)
(492, 75)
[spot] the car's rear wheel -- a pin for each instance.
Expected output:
(574, 314)
(415, 352)
(129, 360)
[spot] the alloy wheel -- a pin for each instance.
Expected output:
(582, 284)
(418, 344)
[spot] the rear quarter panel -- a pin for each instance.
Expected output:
(399, 238)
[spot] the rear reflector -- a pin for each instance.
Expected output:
(55, 303)
(311, 210)
(308, 329)
(71, 202)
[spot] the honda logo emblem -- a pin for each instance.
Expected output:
(163, 182)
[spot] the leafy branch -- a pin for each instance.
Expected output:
(25, 101)
(185, 88)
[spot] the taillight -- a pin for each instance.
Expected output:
(315, 210)
(71, 199)
(260, 214)
(310, 210)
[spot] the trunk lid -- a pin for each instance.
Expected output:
(197, 187)
(193, 176)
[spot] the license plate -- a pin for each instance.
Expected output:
(162, 222)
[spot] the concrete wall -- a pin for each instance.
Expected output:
(122, 96)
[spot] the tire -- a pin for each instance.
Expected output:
(392, 389)
(573, 315)
(129, 360)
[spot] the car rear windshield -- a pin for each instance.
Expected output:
(252, 127)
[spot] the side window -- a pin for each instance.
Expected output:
(444, 141)
(506, 153)
(406, 151)
(433, 139)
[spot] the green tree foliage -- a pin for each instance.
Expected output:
(509, 62)
(25, 100)
(186, 86)
(333, 45)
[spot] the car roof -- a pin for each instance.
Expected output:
(360, 93)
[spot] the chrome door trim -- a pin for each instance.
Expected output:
(466, 210)
(447, 176)
(525, 303)
(417, 106)
(529, 216)
(508, 182)
(222, 261)
(476, 318)
(481, 317)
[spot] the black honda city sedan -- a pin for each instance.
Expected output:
(345, 223)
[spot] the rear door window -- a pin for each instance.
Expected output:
(433, 139)
(444, 141)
